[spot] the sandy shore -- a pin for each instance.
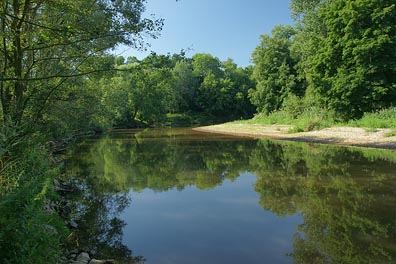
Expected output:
(346, 136)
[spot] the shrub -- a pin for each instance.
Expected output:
(293, 105)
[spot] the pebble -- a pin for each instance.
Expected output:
(83, 258)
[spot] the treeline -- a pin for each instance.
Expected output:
(58, 79)
(339, 57)
(127, 93)
(144, 92)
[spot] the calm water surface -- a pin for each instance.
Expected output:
(178, 196)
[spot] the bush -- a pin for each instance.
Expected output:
(293, 105)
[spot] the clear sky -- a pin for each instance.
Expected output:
(223, 28)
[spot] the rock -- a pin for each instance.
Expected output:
(83, 258)
(107, 261)
(92, 252)
(95, 261)
(73, 224)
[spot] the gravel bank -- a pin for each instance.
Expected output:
(346, 136)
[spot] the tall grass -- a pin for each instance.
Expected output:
(385, 118)
(315, 118)
(309, 119)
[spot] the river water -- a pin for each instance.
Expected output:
(179, 196)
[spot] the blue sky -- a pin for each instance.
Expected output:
(223, 28)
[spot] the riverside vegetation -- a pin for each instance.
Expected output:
(337, 64)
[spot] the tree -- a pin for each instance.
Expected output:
(44, 44)
(354, 67)
(222, 87)
(139, 93)
(242, 82)
(208, 71)
(347, 51)
(186, 85)
(274, 70)
(205, 64)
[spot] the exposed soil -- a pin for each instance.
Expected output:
(346, 136)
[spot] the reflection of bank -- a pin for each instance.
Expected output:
(346, 196)
(159, 160)
(99, 229)
(162, 159)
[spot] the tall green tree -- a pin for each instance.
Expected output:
(205, 64)
(207, 70)
(138, 94)
(354, 67)
(45, 44)
(274, 70)
(186, 85)
(223, 87)
(241, 82)
(347, 51)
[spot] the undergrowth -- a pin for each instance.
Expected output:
(28, 232)
(314, 118)
(310, 119)
(385, 118)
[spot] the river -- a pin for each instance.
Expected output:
(179, 196)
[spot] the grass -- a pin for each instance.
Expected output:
(311, 119)
(316, 119)
(385, 118)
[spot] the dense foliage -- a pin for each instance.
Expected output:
(57, 78)
(275, 70)
(28, 233)
(46, 45)
(144, 92)
(341, 53)
(47, 48)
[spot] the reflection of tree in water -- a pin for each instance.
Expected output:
(161, 162)
(345, 197)
(99, 228)
(149, 159)
(95, 211)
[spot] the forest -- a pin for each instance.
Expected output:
(59, 78)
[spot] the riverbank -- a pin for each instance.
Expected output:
(345, 136)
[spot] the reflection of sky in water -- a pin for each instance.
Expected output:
(346, 195)
(222, 225)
